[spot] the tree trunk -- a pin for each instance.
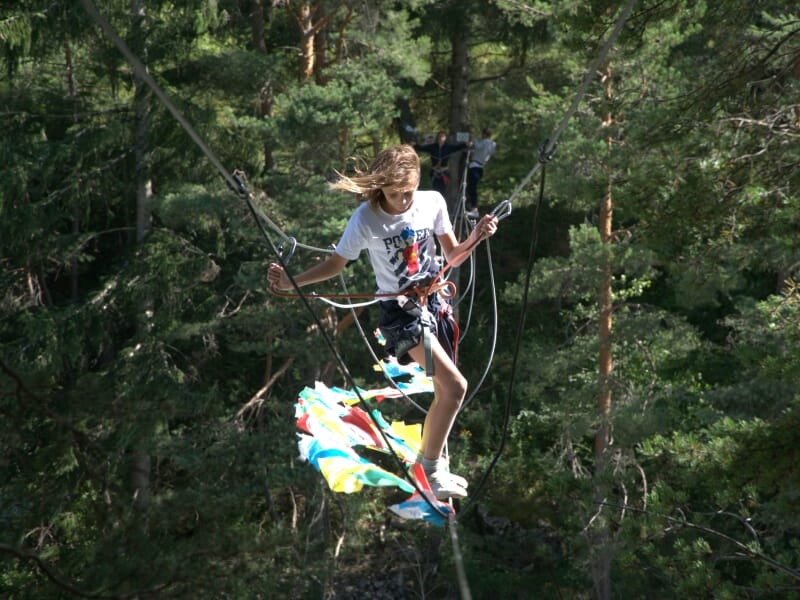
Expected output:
(459, 83)
(459, 63)
(76, 214)
(140, 477)
(602, 443)
(320, 59)
(144, 185)
(309, 22)
(306, 41)
(603, 437)
(257, 17)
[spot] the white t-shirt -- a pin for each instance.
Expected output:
(402, 248)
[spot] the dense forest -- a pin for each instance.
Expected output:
(630, 338)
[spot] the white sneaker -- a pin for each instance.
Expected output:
(459, 480)
(443, 465)
(444, 485)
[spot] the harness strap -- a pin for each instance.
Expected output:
(428, 323)
(419, 308)
(446, 289)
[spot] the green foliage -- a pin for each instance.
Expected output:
(23, 27)
(765, 333)
(116, 348)
(311, 119)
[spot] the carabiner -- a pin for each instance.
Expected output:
(502, 210)
(290, 253)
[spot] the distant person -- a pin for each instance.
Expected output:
(482, 150)
(440, 152)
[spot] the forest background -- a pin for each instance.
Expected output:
(639, 425)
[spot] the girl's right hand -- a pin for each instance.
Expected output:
(277, 277)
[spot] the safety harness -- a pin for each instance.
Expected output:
(415, 303)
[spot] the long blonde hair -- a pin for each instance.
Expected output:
(392, 166)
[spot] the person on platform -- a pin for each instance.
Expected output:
(441, 151)
(482, 150)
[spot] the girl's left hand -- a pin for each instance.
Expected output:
(486, 227)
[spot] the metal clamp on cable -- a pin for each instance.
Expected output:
(546, 155)
(285, 258)
(502, 210)
(241, 182)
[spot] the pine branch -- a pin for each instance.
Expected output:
(63, 584)
(23, 390)
(744, 548)
(254, 404)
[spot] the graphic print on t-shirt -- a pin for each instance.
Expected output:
(409, 256)
(411, 251)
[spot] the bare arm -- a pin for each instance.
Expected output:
(327, 269)
(456, 253)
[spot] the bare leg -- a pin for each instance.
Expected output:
(449, 389)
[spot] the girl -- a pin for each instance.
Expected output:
(396, 225)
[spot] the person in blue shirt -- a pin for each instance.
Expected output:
(482, 150)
